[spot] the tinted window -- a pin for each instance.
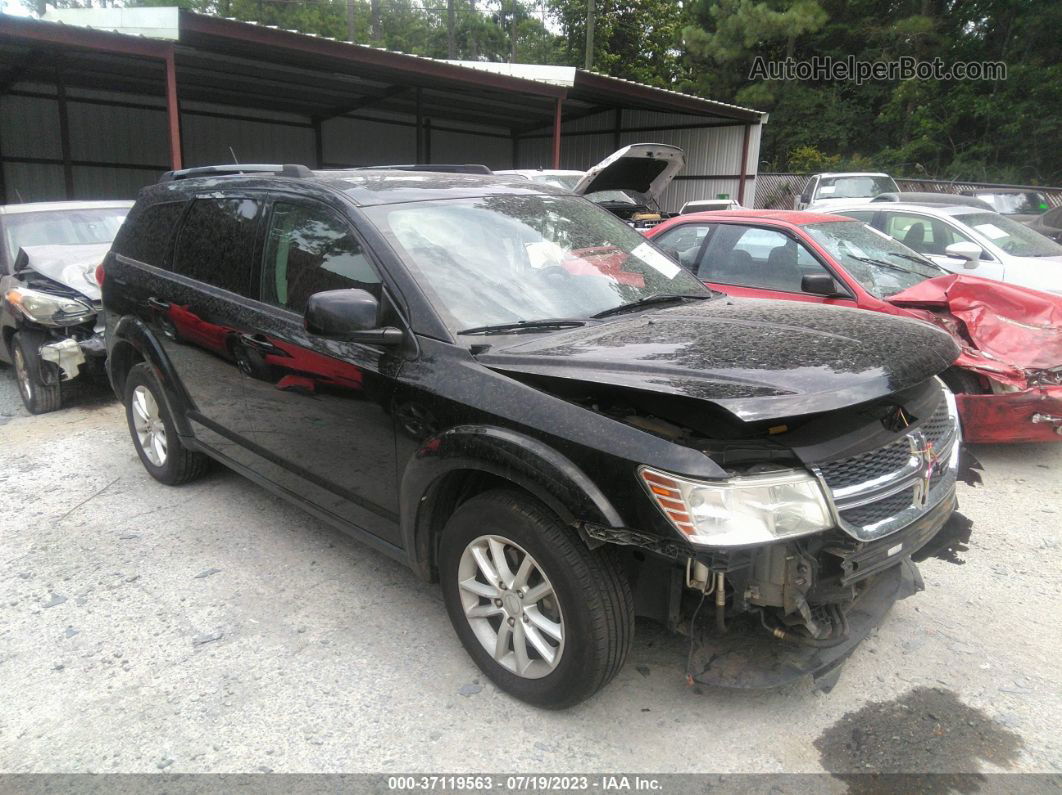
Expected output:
(148, 237)
(310, 249)
(749, 256)
(216, 243)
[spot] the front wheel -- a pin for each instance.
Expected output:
(154, 434)
(547, 619)
(38, 380)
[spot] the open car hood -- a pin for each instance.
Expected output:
(643, 168)
(756, 359)
(1012, 325)
(71, 266)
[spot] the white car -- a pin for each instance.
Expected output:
(628, 183)
(823, 191)
(968, 240)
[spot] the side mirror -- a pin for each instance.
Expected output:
(821, 284)
(969, 252)
(352, 315)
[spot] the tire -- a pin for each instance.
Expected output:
(38, 380)
(962, 382)
(589, 600)
(154, 433)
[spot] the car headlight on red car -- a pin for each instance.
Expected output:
(47, 309)
(739, 511)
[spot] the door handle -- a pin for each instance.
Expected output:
(259, 342)
(155, 303)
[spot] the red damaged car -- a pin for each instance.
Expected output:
(1008, 380)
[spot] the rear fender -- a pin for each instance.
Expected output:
(511, 456)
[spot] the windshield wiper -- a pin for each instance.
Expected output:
(917, 258)
(522, 326)
(650, 300)
(882, 263)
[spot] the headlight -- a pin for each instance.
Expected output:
(49, 310)
(755, 509)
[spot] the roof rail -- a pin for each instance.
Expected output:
(445, 168)
(285, 170)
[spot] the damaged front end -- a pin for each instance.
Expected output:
(1009, 380)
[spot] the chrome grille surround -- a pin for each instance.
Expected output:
(870, 501)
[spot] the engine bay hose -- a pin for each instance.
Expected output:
(838, 634)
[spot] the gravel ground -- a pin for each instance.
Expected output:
(215, 628)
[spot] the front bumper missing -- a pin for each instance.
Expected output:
(69, 354)
(747, 657)
(1033, 415)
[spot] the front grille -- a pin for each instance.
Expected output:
(867, 466)
(880, 491)
(880, 510)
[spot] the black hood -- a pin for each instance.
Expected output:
(757, 359)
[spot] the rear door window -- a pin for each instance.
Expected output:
(216, 243)
(684, 243)
(309, 249)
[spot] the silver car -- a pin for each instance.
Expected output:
(968, 240)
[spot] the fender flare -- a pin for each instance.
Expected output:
(526, 462)
(133, 332)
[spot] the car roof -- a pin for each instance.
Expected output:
(851, 174)
(366, 187)
(540, 172)
(45, 207)
(928, 209)
(795, 217)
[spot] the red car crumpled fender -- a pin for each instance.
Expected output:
(1012, 335)
(1015, 325)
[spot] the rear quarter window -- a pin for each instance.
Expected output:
(147, 234)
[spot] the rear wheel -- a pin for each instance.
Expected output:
(38, 380)
(547, 619)
(154, 433)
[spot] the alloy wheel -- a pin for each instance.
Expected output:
(25, 383)
(511, 606)
(150, 429)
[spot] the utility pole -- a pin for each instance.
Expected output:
(350, 21)
(374, 23)
(451, 48)
(590, 14)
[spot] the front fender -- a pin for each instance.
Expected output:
(132, 331)
(513, 456)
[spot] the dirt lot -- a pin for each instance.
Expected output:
(214, 628)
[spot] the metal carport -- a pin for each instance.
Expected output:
(90, 113)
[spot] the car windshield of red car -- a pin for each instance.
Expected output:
(880, 264)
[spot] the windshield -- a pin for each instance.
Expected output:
(61, 227)
(854, 187)
(1012, 237)
(881, 265)
(1027, 203)
(566, 181)
(511, 259)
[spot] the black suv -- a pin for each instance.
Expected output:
(515, 393)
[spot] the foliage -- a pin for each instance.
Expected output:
(982, 130)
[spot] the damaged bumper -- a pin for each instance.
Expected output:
(69, 354)
(1033, 415)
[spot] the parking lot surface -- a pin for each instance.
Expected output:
(215, 628)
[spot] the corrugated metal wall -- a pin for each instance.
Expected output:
(137, 136)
